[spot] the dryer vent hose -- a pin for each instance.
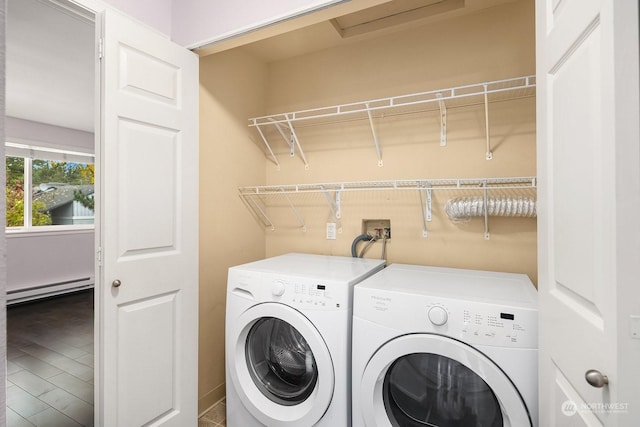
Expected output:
(463, 208)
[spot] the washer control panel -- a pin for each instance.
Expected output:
(304, 293)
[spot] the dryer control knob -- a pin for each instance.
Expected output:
(278, 289)
(438, 315)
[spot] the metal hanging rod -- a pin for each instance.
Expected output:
(420, 184)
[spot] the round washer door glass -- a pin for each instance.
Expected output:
(280, 361)
(425, 389)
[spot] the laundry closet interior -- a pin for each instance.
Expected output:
(418, 139)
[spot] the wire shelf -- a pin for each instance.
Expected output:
(441, 99)
(256, 197)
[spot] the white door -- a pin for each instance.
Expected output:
(589, 209)
(148, 324)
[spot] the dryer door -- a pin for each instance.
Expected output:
(424, 380)
(280, 366)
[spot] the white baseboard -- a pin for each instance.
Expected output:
(47, 290)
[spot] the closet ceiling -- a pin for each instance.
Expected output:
(50, 65)
(385, 18)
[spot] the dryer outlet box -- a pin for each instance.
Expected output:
(378, 228)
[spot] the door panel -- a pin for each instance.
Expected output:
(147, 327)
(149, 77)
(148, 228)
(149, 224)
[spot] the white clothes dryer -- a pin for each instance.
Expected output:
(288, 340)
(444, 347)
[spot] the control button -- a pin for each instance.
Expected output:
(438, 315)
(278, 289)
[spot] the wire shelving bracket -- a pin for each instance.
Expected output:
(425, 206)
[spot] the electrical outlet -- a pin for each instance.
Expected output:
(378, 228)
(331, 231)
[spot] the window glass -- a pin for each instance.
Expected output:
(280, 361)
(15, 191)
(62, 191)
(46, 187)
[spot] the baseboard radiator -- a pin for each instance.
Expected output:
(47, 290)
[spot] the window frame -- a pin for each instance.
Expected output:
(29, 152)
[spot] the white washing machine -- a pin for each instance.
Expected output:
(288, 340)
(445, 347)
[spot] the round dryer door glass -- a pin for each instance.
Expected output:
(424, 389)
(280, 361)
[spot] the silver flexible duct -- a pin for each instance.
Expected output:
(463, 208)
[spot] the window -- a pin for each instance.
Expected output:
(48, 187)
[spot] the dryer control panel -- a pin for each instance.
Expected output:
(472, 322)
(501, 326)
(487, 324)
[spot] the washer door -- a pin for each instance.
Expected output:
(280, 366)
(429, 380)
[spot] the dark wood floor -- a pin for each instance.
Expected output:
(50, 362)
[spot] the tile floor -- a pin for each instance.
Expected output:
(50, 364)
(214, 417)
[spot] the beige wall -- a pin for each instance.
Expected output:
(232, 88)
(493, 44)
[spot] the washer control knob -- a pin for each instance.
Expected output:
(438, 315)
(278, 289)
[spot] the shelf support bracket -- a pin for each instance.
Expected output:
(287, 140)
(295, 211)
(375, 136)
(334, 205)
(443, 120)
(425, 205)
(294, 138)
(487, 236)
(264, 139)
(261, 213)
(489, 154)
